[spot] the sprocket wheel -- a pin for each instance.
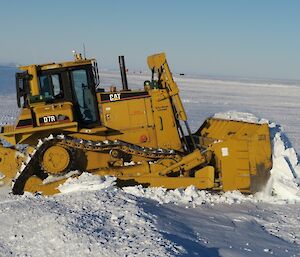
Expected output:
(56, 160)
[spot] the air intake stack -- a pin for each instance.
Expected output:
(123, 73)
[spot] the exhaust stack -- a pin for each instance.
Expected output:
(123, 73)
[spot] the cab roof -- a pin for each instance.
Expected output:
(50, 66)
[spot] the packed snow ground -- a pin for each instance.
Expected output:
(92, 217)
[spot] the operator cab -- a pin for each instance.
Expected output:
(74, 82)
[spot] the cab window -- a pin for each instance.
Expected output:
(50, 86)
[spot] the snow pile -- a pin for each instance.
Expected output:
(87, 182)
(239, 116)
(285, 175)
(189, 196)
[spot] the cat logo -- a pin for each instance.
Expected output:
(115, 97)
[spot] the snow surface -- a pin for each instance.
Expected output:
(92, 217)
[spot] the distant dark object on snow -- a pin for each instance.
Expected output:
(181, 74)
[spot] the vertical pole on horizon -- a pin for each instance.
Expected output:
(84, 55)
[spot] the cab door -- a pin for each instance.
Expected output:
(84, 97)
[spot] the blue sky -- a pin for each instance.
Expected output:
(250, 38)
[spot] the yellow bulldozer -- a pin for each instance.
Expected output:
(68, 125)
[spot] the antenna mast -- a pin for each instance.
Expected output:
(84, 55)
